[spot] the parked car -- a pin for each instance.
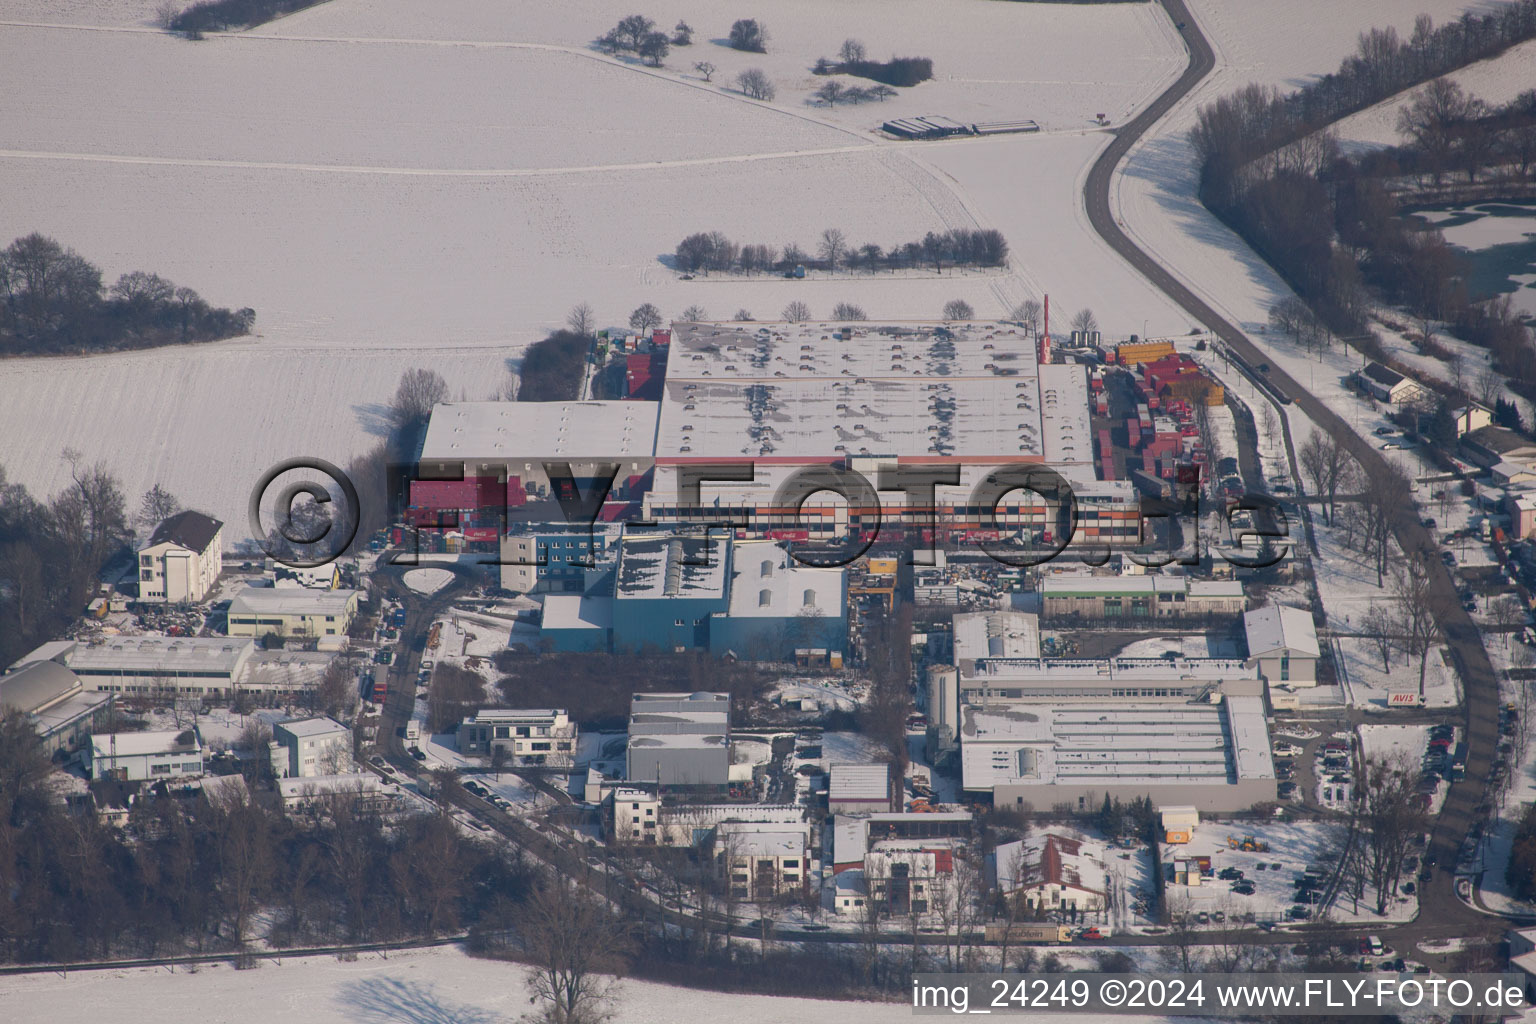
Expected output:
(1244, 888)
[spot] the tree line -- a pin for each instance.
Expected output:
(712, 251)
(220, 15)
(1238, 129)
(52, 551)
(53, 301)
(1333, 226)
(198, 874)
(596, 688)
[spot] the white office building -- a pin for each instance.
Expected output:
(310, 747)
(182, 560)
(145, 756)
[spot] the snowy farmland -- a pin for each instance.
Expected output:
(439, 184)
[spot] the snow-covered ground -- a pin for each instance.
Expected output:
(1283, 43)
(1293, 847)
(439, 985)
(1496, 81)
(428, 581)
(443, 184)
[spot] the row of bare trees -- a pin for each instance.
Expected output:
(51, 552)
(1364, 510)
(713, 251)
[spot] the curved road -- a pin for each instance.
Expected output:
(1438, 901)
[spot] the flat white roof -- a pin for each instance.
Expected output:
(1148, 744)
(896, 388)
(171, 655)
(536, 430)
(304, 728)
(1000, 670)
(515, 714)
(363, 782)
(1276, 627)
(761, 839)
(577, 611)
(996, 635)
(662, 566)
(767, 583)
(140, 744)
(1068, 584)
(290, 601)
(859, 782)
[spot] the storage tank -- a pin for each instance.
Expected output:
(943, 697)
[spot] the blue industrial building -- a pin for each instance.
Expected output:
(744, 598)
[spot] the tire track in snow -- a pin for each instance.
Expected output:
(430, 172)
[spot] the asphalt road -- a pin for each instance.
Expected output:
(1438, 901)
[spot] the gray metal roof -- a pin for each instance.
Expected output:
(35, 687)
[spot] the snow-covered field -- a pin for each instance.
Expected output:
(441, 985)
(1283, 44)
(438, 184)
(1495, 81)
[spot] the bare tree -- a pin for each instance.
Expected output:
(646, 317)
(694, 314)
(1413, 587)
(682, 34)
(419, 390)
(1379, 625)
(1389, 818)
(830, 92)
(706, 69)
(848, 311)
(882, 92)
(1490, 388)
(755, 84)
(1028, 313)
(581, 319)
(1182, 950)
(834, 245)
(1387, 494)
(851, 51)
(335, 694)
(742, 316)
(796, 312)
(958, 309)
(1323, 461)
(165, 13)
(1434, 119)
(1507, 615)
(1084, 320)
(241, 831)
(157, 505)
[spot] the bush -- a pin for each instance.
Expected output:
(552, 369)
(903, 71)
(217, 15)
(749, 34)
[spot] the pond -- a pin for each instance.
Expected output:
(1499, 241)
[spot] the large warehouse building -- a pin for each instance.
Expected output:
(679, 739)
(1048, 731)
(1213, 755)
(773, 400)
